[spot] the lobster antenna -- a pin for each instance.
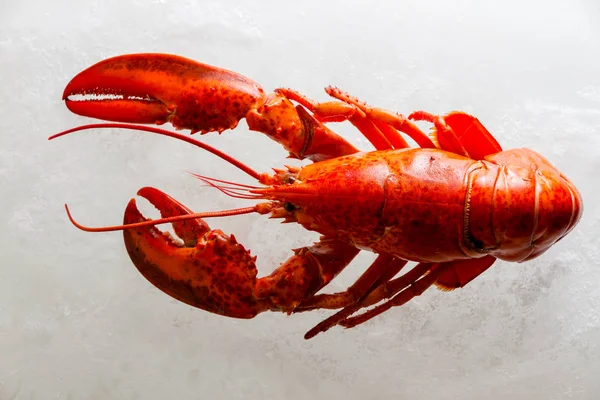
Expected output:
(178, 218)
(208, 178)
(164, 132)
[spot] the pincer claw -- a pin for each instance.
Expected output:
(160, 88)
(207, 269)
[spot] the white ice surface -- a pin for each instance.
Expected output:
(77, 321)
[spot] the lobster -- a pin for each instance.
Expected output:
(453, 204)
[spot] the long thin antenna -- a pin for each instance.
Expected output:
(164, 132)
(178, 218)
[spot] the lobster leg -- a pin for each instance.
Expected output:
(384, 117)
(381, 271)
(446, 276)
(415, 288)
(461, 133)
(453, 274)
(381, 136)
(212, 271)
(385, 290)
(457, 131)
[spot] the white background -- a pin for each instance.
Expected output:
(77, 321)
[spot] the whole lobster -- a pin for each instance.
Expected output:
(453, 205)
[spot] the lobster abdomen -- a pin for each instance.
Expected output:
(520, 205)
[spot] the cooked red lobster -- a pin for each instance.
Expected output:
(453, 205)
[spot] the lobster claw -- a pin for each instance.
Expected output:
(159, 88)
(207, 269)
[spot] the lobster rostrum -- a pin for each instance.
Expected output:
(453, 205)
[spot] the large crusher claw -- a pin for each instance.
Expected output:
(205, 268)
